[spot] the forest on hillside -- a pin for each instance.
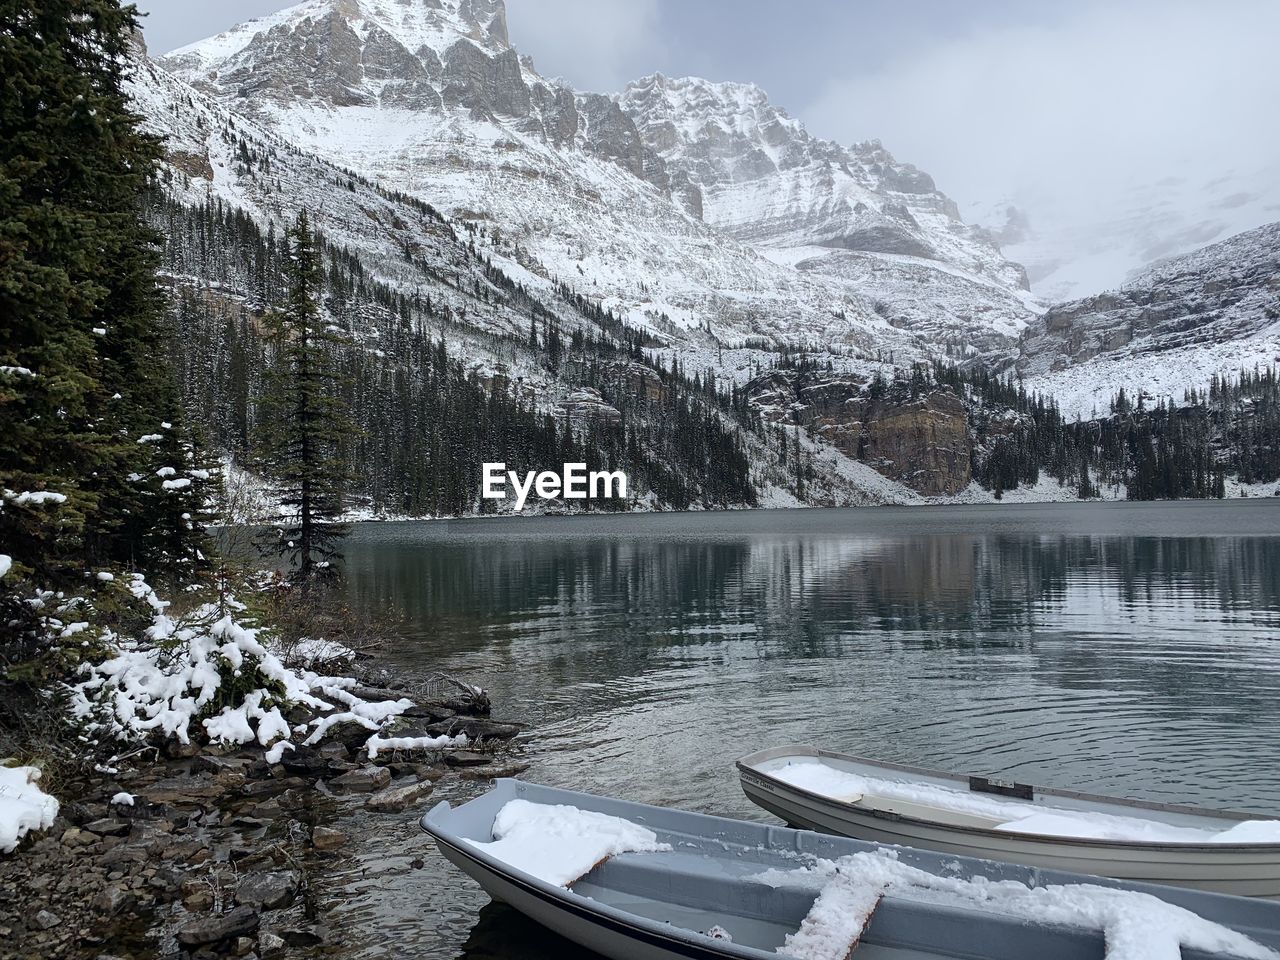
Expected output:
(425, 421)
(1148, 449)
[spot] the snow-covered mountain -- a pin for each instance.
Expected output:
(479, 300)
(736, 227)
(1172, 327)
(852, 214)
(682, 225)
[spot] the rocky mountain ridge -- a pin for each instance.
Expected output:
(429, 96)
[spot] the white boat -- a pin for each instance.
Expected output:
(637, 882)
(1222, 851)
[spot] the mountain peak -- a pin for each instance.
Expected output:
(706, 96)
(414, 24)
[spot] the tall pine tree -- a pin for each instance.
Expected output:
(305, 420)
(83, 378)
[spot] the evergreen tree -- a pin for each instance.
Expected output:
(82, 375)
(305, 419)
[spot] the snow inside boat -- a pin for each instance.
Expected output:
(1226, 852)
(636, 882)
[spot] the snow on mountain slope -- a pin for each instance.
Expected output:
(216, 156)
(430, 97)
(1172, 327)
(884, 226)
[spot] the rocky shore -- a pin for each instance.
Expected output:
(203, 852)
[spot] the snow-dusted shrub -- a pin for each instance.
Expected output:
(208, 677)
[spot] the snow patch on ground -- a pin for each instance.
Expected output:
(1086, 389)
(561, 844)
(1045, 490)
(311, 652)
(23, 806)
(1016, 816)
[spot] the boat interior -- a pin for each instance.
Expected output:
(711, 878)
(771, 761)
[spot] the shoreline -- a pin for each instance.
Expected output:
(1074, 518)
(208, 851)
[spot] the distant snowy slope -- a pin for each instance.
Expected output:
(1176, 324)
(1075, 246)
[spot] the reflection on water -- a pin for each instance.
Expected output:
(1069, 646)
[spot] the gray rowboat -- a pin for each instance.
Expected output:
(1245, 869)
(652, 906)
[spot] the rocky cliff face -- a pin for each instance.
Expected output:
(1172, 327)
(922, 442)
(766, 180)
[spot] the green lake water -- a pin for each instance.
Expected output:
(1128, 649)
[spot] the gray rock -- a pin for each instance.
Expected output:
(182, 791)
(269, 891)
(198, 899)
(112, 900)
(272, 787)
(429, 711)
(240, 922)
(269, 944)
(396, 799)
(326, 838)
(309, 764)
(475, 728)
(46, 920)
(363, 780)
(108, 827)
(308, 936)
(466, 758)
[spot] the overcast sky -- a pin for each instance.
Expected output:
(989, 96)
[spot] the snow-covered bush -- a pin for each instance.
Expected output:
(206, 676)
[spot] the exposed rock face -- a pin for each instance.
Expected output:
(610, 133)
(485, 83)
(923, 443)
(585, 405)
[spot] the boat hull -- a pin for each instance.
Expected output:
(1244, 870)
